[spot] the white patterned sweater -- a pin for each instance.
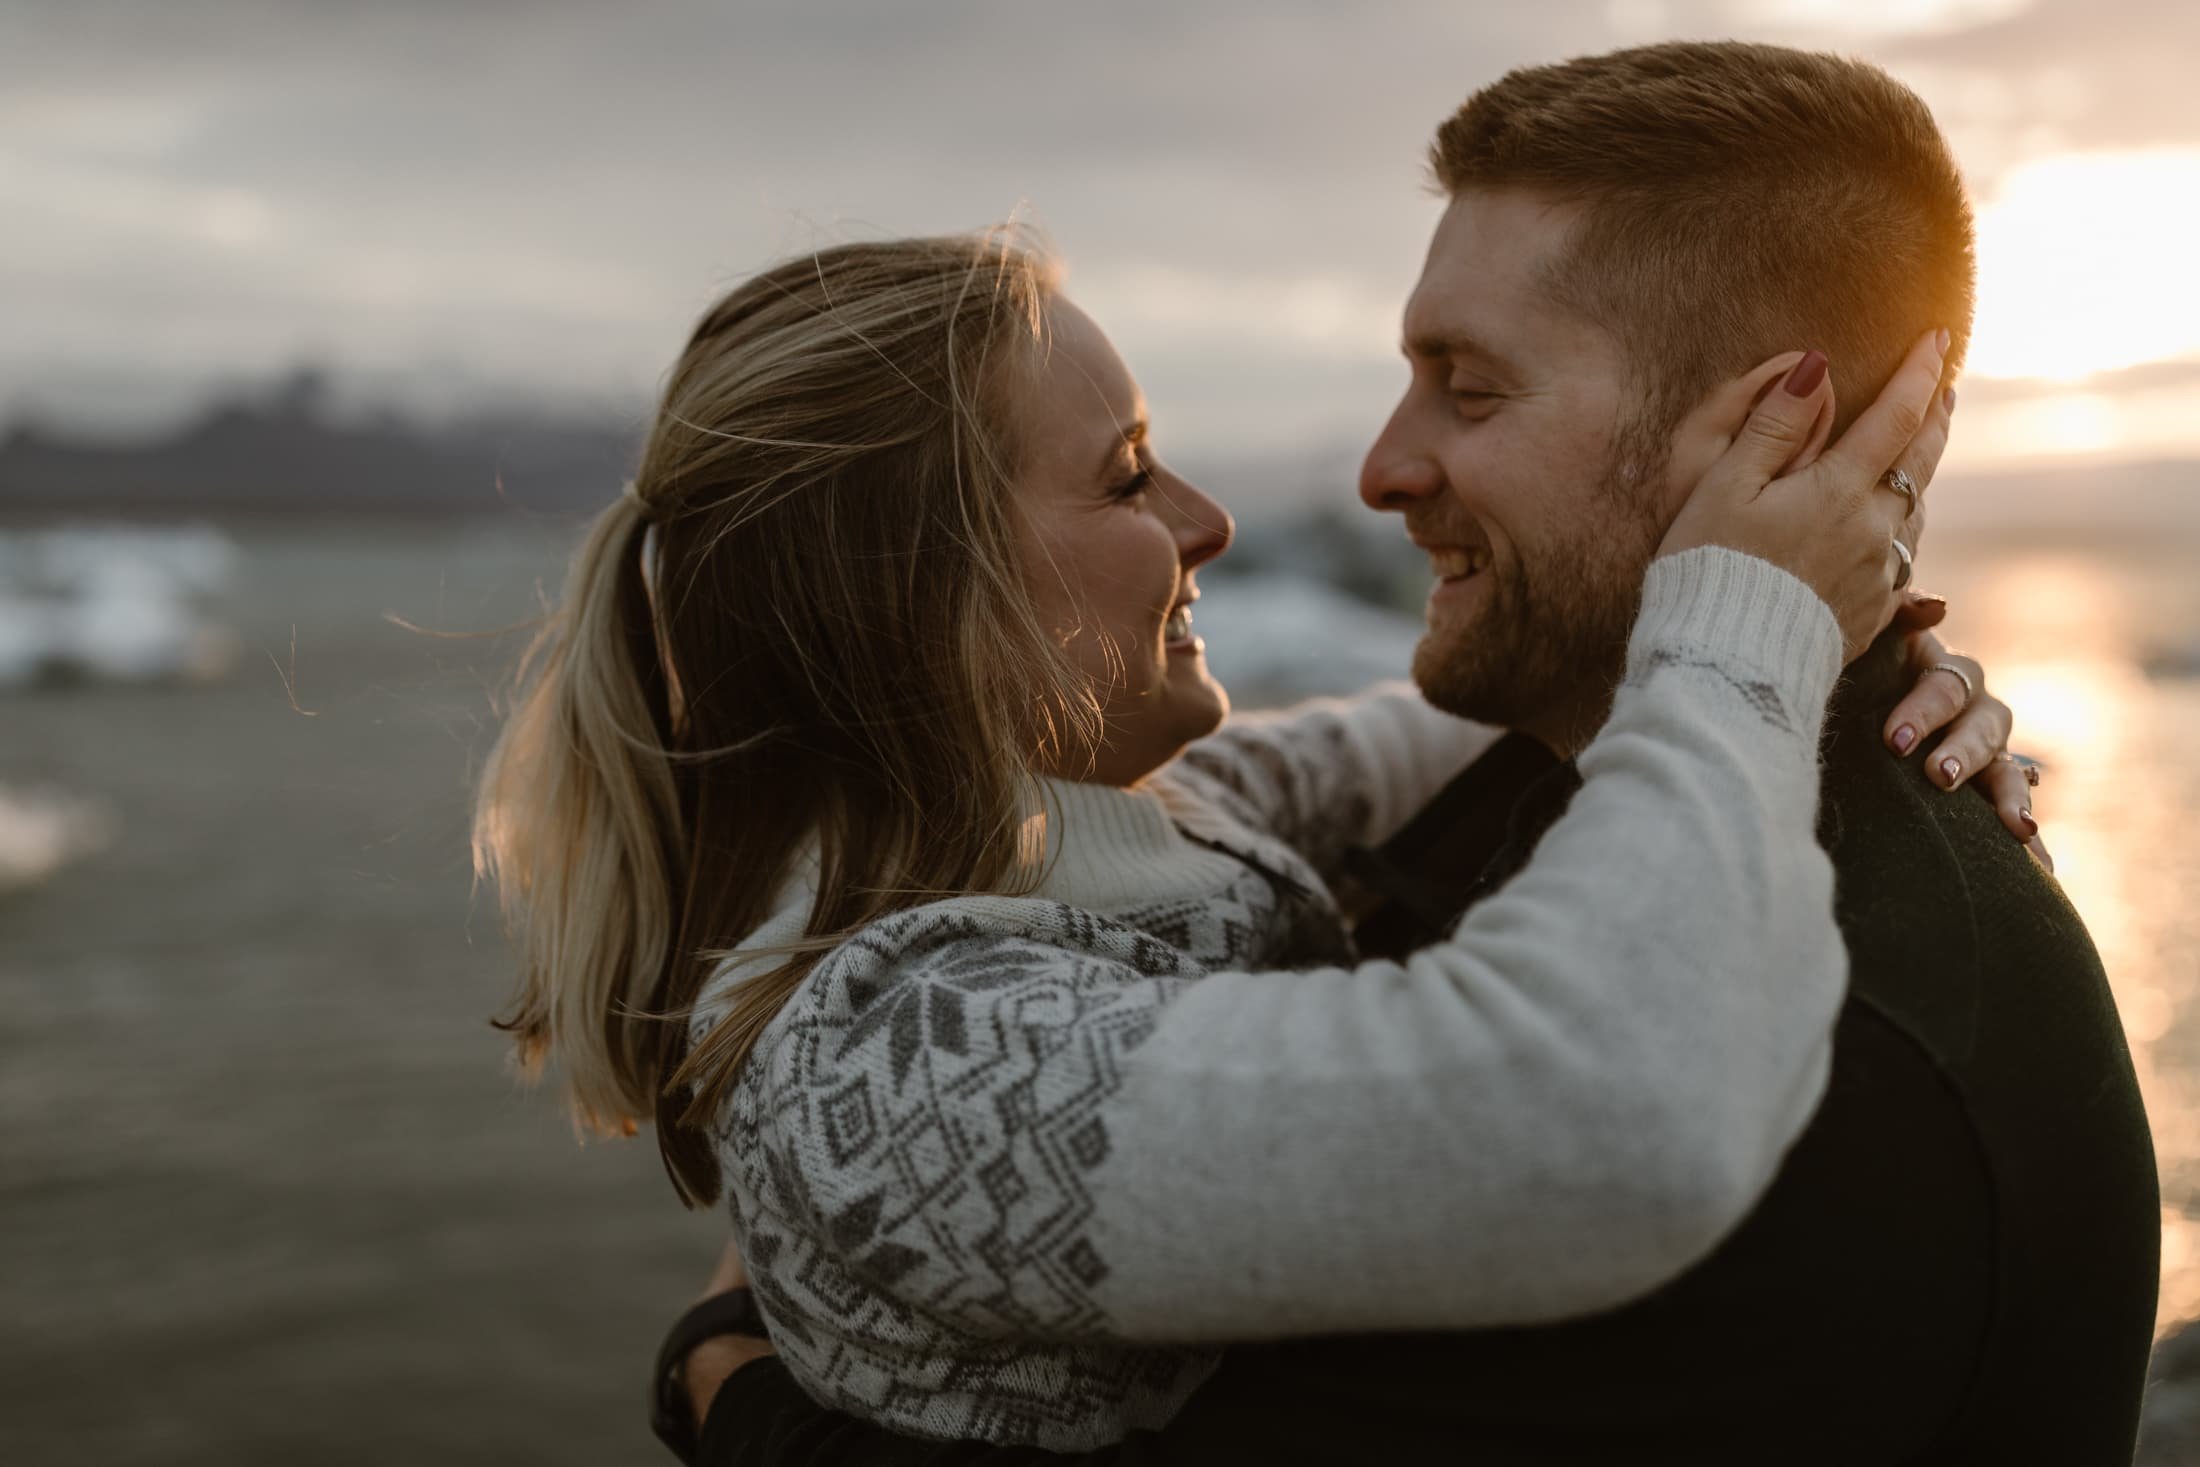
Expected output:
(1009, 1168)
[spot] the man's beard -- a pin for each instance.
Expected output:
(1548, 647)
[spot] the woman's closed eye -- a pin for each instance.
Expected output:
(1136, 485)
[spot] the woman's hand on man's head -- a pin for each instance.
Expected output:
(1836, 522)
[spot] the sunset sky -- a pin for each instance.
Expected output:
(531, 199)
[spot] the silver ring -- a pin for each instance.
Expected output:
(1902, 576)
(1969, 692)
(1901, 483)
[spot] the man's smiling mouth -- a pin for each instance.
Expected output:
(1455, 563)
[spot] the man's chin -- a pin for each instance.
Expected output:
(1488, 682)
(1459, 679)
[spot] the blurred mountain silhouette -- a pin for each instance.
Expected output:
(286, 452)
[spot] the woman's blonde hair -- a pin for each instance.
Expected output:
(833, 641)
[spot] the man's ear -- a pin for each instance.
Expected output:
(1712, 424)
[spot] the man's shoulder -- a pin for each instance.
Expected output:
(1961, 946)
(1945, 915)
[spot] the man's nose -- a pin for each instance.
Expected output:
(1398, 471)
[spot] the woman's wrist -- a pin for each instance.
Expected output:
(1747, 610)
(715, 1337)
(712, 1363)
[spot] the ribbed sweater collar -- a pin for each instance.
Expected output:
(1109, 848)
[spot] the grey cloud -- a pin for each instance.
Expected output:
(2132, 62)
(547, 190)
(668, 146)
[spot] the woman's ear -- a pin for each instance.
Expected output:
(1710, 427)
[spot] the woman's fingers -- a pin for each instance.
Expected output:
(1920, 611)
(1919, 459)
(1876, 440)
(1783, 423)
(1935, 699)
(1724, 508)
(2004, 785)
(1975, 747)
(1978, 733)
(1779, 427)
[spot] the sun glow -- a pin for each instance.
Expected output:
(1876, 17)
(2062, 708)
(2086, 265)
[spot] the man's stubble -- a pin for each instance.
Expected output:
(1546, 654)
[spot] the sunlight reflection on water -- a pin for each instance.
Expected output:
(2063, 631)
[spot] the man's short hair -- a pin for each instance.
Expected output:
(1741, 201)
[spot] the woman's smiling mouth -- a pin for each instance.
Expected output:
(1176, 631)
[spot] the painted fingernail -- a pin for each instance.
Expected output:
(1927, 598)
(1903, 738)
(1949, 397)
(1808, 373)
(1951, 769)
(1942, 340)
(2031, 826)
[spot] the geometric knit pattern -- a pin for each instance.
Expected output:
(1259, 778)
(907, 1147)
(1762, 697)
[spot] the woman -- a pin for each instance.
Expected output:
(844, 830)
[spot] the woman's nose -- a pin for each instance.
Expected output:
(1203, 527)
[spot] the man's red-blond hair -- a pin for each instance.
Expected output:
(1740, 201)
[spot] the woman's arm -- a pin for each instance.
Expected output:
(1024, 1121)
(1483, 1122)
(737, 1406)
(1016, 1121)
(1333, 773)
(1574, 1097)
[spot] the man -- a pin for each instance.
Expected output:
(1957, 1262)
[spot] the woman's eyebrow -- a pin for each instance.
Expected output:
(1131, 436)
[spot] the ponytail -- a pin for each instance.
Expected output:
(807, 629)
(578, 822)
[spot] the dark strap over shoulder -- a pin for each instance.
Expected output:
(1469, 840)
(671, 1415)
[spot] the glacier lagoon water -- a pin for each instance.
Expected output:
(271, 1193)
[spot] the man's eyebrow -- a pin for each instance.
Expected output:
(1132, 435)
(1437, 346)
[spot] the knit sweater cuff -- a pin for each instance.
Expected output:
(1712, 599)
